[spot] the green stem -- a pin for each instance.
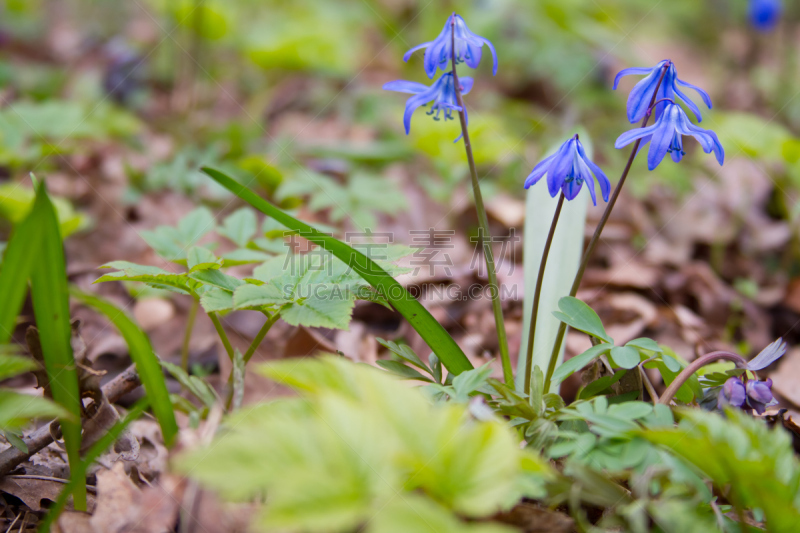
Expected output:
(188, 334)
(222, 335)
(562, 329)
(271, 319)
(483, 222)
(537, 294)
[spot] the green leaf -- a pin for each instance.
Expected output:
(580, 316)
(625, 356)
(51, 309)
(215, 300)
(417, 514)
(405, 352)
(471, 380)
(250, 296)
(320, 312)
(199, 388)
(630, 410)
(671, 363)
(217, 279)
(645, 344)
(147, 364)
(151, 275)
(200, 258)
(244, 256)
(436, 367)
(599, 385)
(417, 315)
(239, 226)
(13, 365)
(571, 366)
(399, 369)
(195, 225)
(17, 410)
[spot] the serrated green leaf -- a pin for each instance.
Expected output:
(200, 258)
(195, 225)
(630, 410)
(166, 242)
(249, 296)
(571, 366)
(216, 278)
(215, 300)
(239, 226)
(244, 256)
(625, 356)
(470, 381)
(151, 275)
(580, 316)
(319, 312)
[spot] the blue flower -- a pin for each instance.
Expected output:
(666, 135)
(759, 395)
(642, 94)
(732, 393)
(765, 14)
(442, 93)
(567, 169)
(469, 47)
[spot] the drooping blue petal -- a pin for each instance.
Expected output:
(584, 174)
(571, 188)
(641, 95)
(662, 139)
(691, 105)
(638, 71)
(539, 170)
(466, 85)
(605, 184)
(494, 56)
(413, 103)
(560, 169)
(407, 55)
(637, 133)
(403, 86)
(704, 95)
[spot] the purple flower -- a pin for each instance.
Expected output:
(666, 136)
(732, 393)
(759, 395)
(469, 47)
(442, 93)
(567, 169)
(642, 94)
(765, 14)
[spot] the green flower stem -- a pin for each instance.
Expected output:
(696, 365)
(562, 329)
(188, 334)
(222, 335)
(536, 295)
(271, 319)
(485, 236)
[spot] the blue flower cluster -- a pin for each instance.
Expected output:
(438, 54)
(754, 394)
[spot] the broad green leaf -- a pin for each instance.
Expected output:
(17, 410)
(195, 225)
(580, 316)
(166, 241)
(239, 226)
(216, 300)
(625, 356)
(404, 351)
(250, 296)
(244, 256)
(151, 275)
(599, 385)
(630, 410)
(200, 258)
(645, 344)
(570, 366)
(470, 381)
(671, 363)
(320, 312)
(216, 278)
(51, 308)
(417, 315)
(417, 514)
(147, 363)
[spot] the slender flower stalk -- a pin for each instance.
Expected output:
(562, 329)
(187, 336)
(537, 294)
(483, 220)
(251, 350)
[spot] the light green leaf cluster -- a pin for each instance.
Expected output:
(17, 409)
(754, 464)
(362, 449)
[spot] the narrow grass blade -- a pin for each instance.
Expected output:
(20, 256)
(51, 308)
(147, 363)
(94, 452)
(563, 262)
(420, 319)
